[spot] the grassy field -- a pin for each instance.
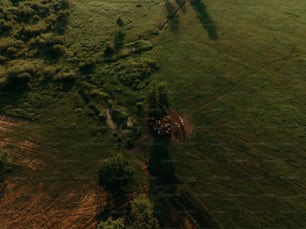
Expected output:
(244, 93)
(236, 71)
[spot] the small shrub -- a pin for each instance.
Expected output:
(111, 223)
(119, 116)
(141, 215)
(114, 174)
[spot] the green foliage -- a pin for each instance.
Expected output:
(30, 30)
(158, 100)
(134, 73)
(21, 71)
(111, 223)
(114, 174)
(141, 215)
(27, 114)
(133, 47)
(7, 43)
(66, 74)
(49, 45)
(119, 115)
(96, 99)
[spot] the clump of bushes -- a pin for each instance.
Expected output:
(111, 223)
(111, 48)
(140, 215)
(66, 74)
(49, 45)
(96, 99)
(31, 29)
(114, 174)
(119, 116)
(21, 71)
(9, 44)
(133, 74)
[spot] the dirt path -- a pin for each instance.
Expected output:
(110, 121)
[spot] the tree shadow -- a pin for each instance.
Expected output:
(205, 19)
(173, 20)
(161, 163)
(181, 4)
(163, 181)
(115, 207)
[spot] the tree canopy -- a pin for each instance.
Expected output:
(140, 214)
(114, 174)
(111, 223)
(158, 100)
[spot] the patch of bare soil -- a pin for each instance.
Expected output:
(23, 206)
(20, 150)
(26, 205)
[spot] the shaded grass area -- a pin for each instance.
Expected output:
(205, 18)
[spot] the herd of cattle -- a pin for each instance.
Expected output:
(166, 125)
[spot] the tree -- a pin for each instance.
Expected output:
(114, 175)
(111, 223)
(140, 214)
(158, 100)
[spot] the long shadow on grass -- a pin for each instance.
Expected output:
(205, 19)
(161, 163)
(173, 20)
(163, 181)
(181, 4)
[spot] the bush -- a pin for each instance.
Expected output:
(140, 215)
(114, 175)
(111, 223)
(133, 74)
(119, 116)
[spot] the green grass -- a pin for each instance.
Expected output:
(244, 95)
